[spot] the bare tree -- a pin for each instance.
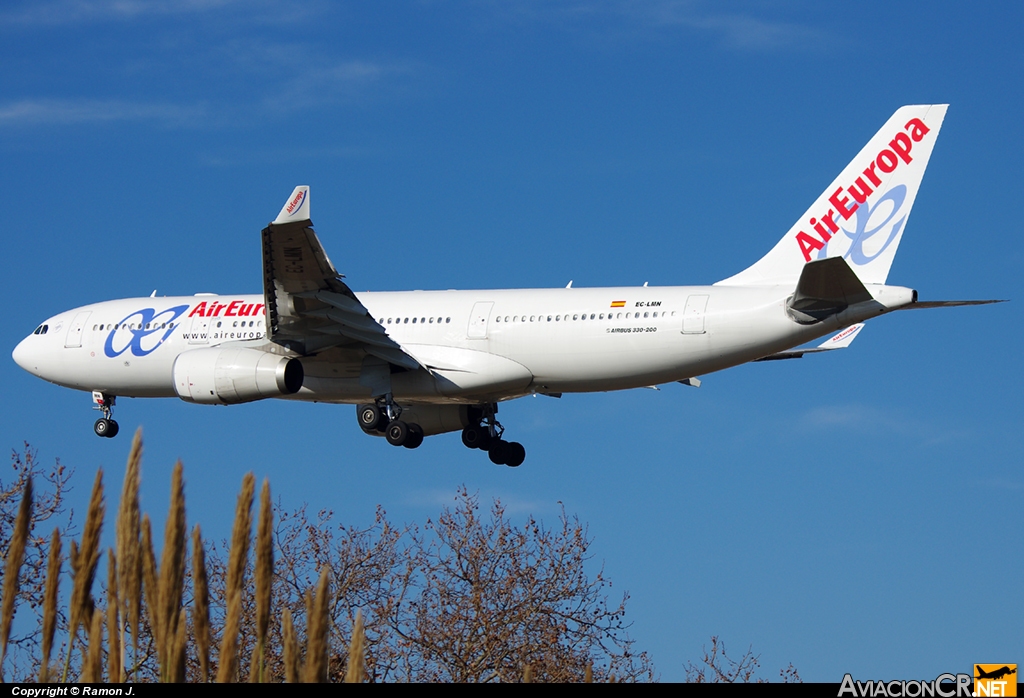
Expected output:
(490, 598)
(718, 667)
(51, 485)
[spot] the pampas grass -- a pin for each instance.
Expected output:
(53, 566)
(129, 579)
(201, 601)
(227, 669)
(12, 568)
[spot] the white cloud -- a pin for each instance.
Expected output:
(33, 112)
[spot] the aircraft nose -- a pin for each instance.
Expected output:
(23, 355)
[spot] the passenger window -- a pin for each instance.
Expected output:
(414, 321)
(574, 317)
(447, 320)
(405, 321)
(532, 317)
(431, 321)
(645, 314)
(497, 319)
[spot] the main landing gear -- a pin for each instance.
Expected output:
(383, 417)
(486, 435)
(105, 426)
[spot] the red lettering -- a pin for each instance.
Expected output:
(901, 144)
(833, 228)
(919, 130)
(257, 309)
(860, 191)
(840, 204)
(244, 310)
(887, 161)
(870, 174)
(820, 229)
(230, 312)
(199, 310)
(807, 244)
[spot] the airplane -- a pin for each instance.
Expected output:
(420, 363)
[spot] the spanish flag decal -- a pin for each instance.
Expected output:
(618, 304)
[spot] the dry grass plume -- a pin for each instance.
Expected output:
(12, 568)
(227, 670)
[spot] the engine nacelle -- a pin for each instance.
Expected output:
(228, 375)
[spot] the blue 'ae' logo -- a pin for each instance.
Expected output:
(141, 337)
(861, 234)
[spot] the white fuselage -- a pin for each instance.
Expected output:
(478, 346)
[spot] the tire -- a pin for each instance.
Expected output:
(113, 429)
(370, 418)
(415, 437)
(397, 432)
(516, 455)
(102, 427)
(476, 436)
(499, 452)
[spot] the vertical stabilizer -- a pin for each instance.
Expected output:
(862, 214)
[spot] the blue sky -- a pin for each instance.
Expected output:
(847, 513)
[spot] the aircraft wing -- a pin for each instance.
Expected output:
(309, 307)
(836, 341)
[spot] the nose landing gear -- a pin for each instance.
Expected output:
(105, 426)
(486, 436)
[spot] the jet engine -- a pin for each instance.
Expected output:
(227, 375)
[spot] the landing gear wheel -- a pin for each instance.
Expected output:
(415, 437)
(371, 418)
(397, 432)
(499, 452)
(103, 427)
(516, 455)
(476, 436)
(113, 429)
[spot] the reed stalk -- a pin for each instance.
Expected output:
(83, 567)
(317, 623)
(12, 568)
(291, 648)
(115, 664)
(53, 566)
(227, 669)
(172, 575)
(264, 579)
(355, 672)
(201, 600)
(129, 580)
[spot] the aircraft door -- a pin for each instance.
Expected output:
(74, 338)
(478, 320)
(693, 314)
(199, 332)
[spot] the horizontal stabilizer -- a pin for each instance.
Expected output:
(837, 341)
(826, 287)
(921, 305)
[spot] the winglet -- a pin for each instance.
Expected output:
(296, 208)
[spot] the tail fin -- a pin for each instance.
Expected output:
(862, 214)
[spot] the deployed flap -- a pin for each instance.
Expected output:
(836, 341)
(827, 286)
(309, 307)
